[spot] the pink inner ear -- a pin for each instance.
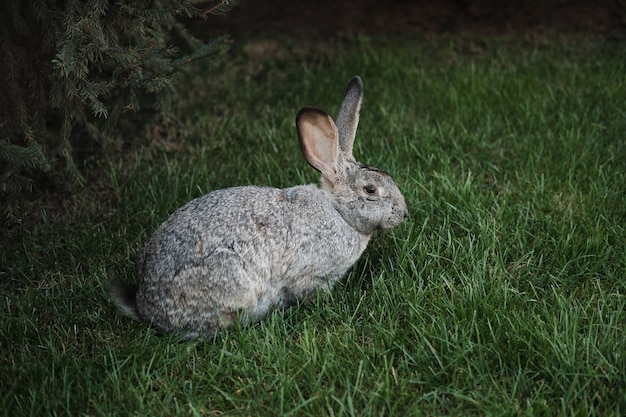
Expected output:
(323, 140)
(318, 135)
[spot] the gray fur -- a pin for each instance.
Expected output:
(348, 115)
(234, 254)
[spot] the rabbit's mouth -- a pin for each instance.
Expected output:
(394, 221)
(398, 214)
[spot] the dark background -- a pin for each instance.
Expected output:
(605, 18)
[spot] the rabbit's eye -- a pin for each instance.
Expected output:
(370, 189)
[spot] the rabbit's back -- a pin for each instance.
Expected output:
(239, 251)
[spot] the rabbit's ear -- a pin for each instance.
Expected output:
(319, 141)
(348, 116)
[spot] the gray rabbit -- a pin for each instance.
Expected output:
(236, 253)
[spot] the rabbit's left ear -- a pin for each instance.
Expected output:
(319, 141)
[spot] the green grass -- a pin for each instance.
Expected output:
(503, 294)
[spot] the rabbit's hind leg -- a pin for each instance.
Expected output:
(217, 293)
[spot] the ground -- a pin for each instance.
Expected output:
(323, 17)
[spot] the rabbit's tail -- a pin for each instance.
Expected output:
(124, 295)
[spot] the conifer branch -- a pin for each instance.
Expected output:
(79, 66)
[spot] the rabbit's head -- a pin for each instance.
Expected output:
(366, 197)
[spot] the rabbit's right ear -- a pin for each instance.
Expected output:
(348, 116)
(319, 141)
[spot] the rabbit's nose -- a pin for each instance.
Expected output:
(405, 208)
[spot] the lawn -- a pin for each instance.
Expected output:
(504, 293)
